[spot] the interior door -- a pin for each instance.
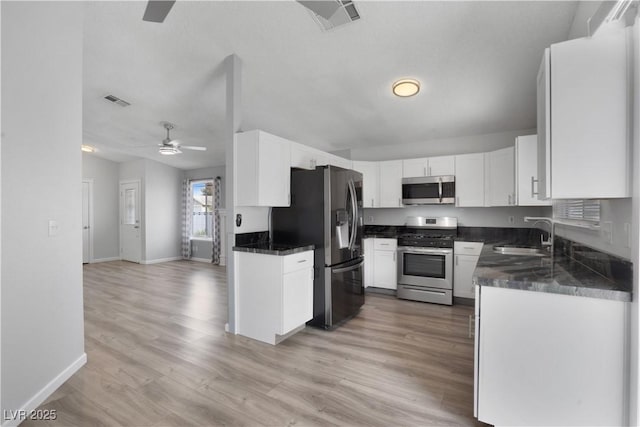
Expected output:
(86, 237)
(130, 242)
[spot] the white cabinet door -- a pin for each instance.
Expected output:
(297, 299)
(527, 182)
(385, 269)
(391, 184)
(589, 117)
(463, 267)
(262, 169)
(501, 177)
(443, 165)
(469, 174)
(544, 127)
(545, 359)
(415, 167)
(340, 162)
(368, 262)
(370, 188)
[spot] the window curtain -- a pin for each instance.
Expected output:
(215, 219)
(187, 213)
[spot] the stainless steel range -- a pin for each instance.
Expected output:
(425, 259)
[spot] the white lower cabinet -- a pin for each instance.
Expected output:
(385, 265)
(368, 262)
(549, 359)
(275, 294)
(466, 255)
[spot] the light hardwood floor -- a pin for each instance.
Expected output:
(158, 356)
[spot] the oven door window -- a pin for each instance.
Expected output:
(423, 265)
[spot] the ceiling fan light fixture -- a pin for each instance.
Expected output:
(168, 151)
(87, 148)
(406, 87)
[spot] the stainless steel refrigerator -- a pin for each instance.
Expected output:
(326, 210)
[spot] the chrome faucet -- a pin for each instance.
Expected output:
(537, 219)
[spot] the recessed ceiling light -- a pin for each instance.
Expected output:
(406, 87)
(87, 148)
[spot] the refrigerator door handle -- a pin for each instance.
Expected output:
(354, 212)
(349, 268)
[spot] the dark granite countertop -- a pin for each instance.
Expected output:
(560, 275)
(266, 248)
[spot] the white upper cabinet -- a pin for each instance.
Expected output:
(262, 169)
(501, 182)
(415, 167)
(527, 182)
(428, 166)
(370, 183)
(589, 92)
(544, 127)
(443, 165)
(469, 180)
(390, 184)
(304, 157)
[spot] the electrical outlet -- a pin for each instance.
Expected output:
(627, 232)
(607, 231)
(53, 228)
(512, 219)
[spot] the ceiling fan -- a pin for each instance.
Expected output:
(170, 146)
(157, 10)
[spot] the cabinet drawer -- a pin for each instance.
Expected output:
(297, 261)
(385, 244)
(467, 248)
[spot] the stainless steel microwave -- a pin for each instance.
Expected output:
(429, 190)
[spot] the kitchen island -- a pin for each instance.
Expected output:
(551, 338)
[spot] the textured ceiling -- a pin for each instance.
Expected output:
(477, 62)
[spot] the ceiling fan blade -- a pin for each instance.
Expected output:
(324, 8)
(157, 10)
(193, 147)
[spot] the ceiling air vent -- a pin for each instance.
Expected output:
(116, 100)
(330, 14)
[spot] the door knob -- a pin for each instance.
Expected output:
(85, 228)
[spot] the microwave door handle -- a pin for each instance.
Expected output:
(440, 188)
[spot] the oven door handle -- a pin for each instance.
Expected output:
(426, 251)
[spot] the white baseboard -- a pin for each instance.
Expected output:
(200, 260)
(159, 260)
(115, 258)
(47, 390)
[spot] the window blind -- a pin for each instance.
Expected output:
(587, 211)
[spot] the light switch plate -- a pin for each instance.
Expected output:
(53, 228)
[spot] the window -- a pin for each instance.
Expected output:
(202, 198)
(580, 212)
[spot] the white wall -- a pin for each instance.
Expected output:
(467, 217)
(42, 318)
(211, 172)
(163, 211)
(441, 147)
(105, 175)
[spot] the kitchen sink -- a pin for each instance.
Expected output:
(520, 250)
